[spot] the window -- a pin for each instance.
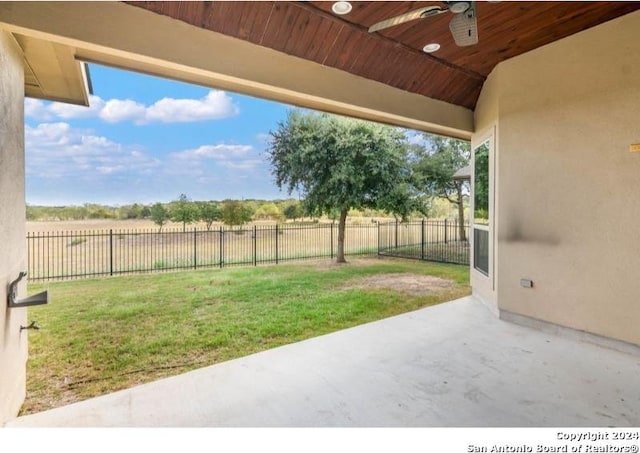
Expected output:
(481, 209)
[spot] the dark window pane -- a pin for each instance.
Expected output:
(481, 250)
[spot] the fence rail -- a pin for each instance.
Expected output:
(77, 254)
(443, 241)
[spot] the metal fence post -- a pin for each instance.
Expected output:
(221, 247)
(445, 231)
(110, 252)
(422, 240)
(396, 247)
(255, 246)
(195, 249)
(331, 244)
(456, 231)
(276, 243)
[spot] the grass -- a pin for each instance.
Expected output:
(102, 335)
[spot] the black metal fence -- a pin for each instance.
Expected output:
(443, 241)
(77, 254)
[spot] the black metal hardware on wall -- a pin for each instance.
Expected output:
(33, 325)
(12, 298)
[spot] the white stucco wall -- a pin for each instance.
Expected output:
(13, 343)
(568, 202)
(486, 129)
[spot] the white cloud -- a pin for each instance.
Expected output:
(107, 170)
(215, 105)
(55, 150)
(35, 108)
(47, 111)
(117, 110)
(207, 158)
(70, 111)
(248, 164)
(67, 164)
(216, 152)
(51, 134)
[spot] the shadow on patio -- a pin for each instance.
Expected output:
(454, 364)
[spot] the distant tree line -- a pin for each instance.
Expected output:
(184, 211)
(228, 212)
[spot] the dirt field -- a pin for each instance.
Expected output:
(107, 224)
(143, 224)
(412, 284)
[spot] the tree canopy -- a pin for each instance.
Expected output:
(209, 212)
(339, 163)
(235, 213)
(159, 215)
(268, 211)
(183, 211)
(293, 211)
(435, 162)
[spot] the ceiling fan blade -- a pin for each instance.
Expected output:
(406, 17)
(464, 28)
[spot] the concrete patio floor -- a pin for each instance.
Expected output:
(453, 364)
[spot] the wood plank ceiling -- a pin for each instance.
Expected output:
(394, 56)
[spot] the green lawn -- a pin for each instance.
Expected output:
(102, 335)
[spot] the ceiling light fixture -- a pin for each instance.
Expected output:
(429, 48)
(341, 8)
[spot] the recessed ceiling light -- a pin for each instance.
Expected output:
(431, 47)
(341, 8)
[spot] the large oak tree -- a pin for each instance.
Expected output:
(339, 163)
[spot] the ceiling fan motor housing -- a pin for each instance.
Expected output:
(458, 7)
(464, 28)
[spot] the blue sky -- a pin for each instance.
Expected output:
(146, 139)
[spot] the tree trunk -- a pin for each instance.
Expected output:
(462, 235)
(341, 230)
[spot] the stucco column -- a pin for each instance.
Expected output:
(13, 342)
